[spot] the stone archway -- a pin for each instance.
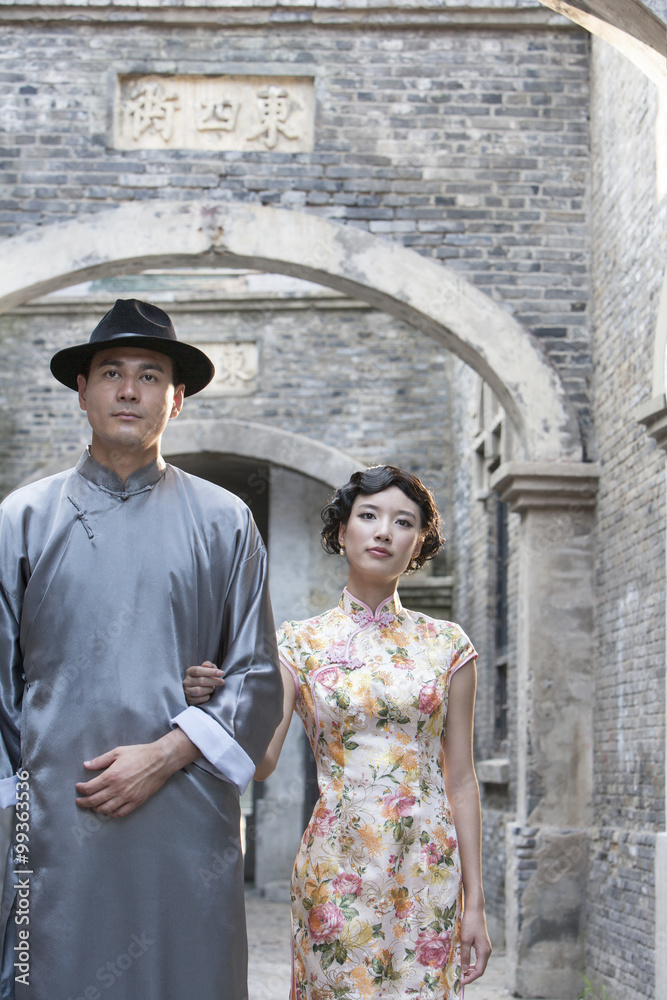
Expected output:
(297, 452)
(399, 281)
(549, 484)
(632, 27)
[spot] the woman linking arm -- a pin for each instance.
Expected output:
(387, 893)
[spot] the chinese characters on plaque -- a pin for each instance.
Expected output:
(236, 367)
(215, 113)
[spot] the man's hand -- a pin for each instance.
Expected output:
(200, 682)
(131, 774)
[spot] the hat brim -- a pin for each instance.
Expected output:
(195, 369)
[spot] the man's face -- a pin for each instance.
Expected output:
(129, 397)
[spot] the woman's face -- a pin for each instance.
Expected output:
(383, 533)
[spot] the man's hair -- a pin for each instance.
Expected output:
(375, 480)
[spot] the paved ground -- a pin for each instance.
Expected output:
(269, 956)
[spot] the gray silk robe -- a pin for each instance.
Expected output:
(106, 597)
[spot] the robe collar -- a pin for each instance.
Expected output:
(385, 613)
(110, 481)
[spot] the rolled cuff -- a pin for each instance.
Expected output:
(225, 758)
(8, 791)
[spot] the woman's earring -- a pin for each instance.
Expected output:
(342, 549)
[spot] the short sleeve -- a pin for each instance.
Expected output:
(286, 651)
(462, 651)
(293, 652)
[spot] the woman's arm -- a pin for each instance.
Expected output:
(463, 794)
(201, 681)
(272, 754)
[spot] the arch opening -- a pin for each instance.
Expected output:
(430, 297)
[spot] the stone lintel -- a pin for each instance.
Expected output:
(289, 14)
(547, 485)
(653, 415)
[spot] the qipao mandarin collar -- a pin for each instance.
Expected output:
(385, 613)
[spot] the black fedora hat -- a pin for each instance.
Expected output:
(132, 323)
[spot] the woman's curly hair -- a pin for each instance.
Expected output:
(375, 480)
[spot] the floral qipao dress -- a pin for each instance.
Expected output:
(376, 889)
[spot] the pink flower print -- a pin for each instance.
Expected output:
(394, 865)
(346, 884)
(328, 677)
(431, 855)
(430, 698)
(433, 949)
(398, 804)
(323, 823)
(325, 922)
(401, 662)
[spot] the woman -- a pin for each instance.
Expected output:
(387, 698)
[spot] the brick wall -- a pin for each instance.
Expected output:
(620, 912)
(352, 378)
(472, 542)
(628, 230)
(629, 234)
(470, 146)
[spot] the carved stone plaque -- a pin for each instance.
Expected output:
(214, 112)
(236, 367)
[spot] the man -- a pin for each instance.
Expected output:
(126, 879)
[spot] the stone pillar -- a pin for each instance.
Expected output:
(654, 417)
(547, 854)
(303, 581)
